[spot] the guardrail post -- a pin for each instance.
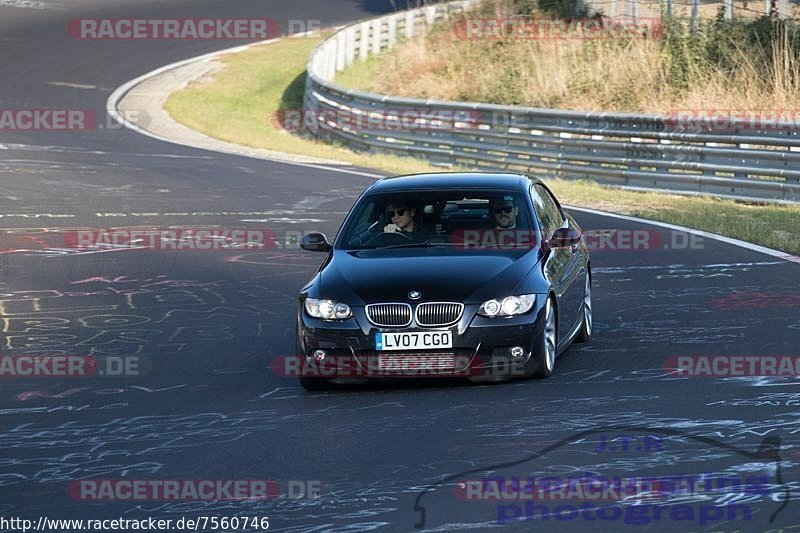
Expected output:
(377, 24)
(363, 43)
(340, 51)
(430, 15)
(630, 10)
(350, 46)
(392, 31)
(409, 23)
(331, 60)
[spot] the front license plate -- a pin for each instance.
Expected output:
(388, 342)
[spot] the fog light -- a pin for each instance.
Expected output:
(319, 355)
(517, 352)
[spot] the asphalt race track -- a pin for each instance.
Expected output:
(385, 457)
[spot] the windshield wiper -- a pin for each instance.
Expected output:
(423, 244)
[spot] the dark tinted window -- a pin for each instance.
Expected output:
(547, 210)
(439, 216)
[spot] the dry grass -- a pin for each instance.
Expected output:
(634, 75)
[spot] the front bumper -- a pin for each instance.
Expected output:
(481, 346)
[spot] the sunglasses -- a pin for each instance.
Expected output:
(505, 209)
(400, 212)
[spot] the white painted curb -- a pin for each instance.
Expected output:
(120, 92)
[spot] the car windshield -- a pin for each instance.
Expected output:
(459, 219)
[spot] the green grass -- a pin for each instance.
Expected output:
(236, 106)
(238, 103)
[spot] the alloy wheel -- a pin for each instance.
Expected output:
(549, 337)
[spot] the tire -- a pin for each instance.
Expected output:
(585, 333)
(548, 342)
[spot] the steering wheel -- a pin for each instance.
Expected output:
(385, 238)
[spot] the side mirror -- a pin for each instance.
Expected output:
(315, 242)
(563, 237)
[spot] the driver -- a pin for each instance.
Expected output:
(504, 211)
(402, 218)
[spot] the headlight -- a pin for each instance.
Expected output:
(327, 309)
(510, 306)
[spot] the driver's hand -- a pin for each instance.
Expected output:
(391, 228)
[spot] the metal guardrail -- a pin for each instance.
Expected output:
(641, 152)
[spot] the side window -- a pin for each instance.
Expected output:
(545, 222)
(367, 215)
(358, 229)
(550, 215)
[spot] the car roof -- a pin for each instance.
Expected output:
(453, 180)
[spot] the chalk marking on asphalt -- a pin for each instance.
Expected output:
(26, 4)
(283, 219)
(36, 215)
(618, 269)
(71, 85)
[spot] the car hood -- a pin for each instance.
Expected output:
(369, 276)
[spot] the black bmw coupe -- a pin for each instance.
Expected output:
(476, 275)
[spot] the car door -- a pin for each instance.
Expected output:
(563, 266)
